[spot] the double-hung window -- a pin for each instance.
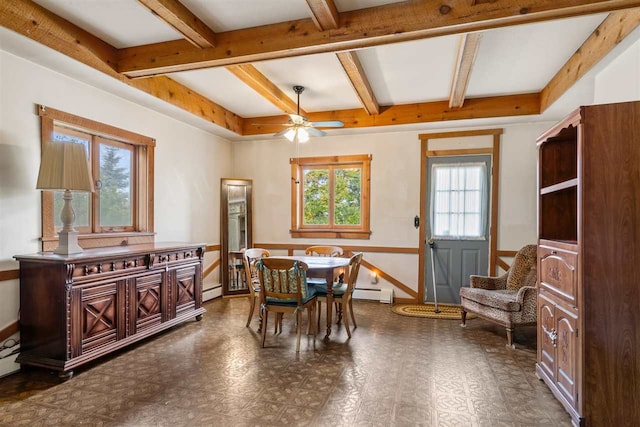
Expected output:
(330, 197)
(120, 163)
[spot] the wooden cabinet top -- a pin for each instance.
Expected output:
(112, 252)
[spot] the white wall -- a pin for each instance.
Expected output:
(188, 165)
(395, 190)
(620, 81)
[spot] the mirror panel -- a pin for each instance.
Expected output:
(235, 233)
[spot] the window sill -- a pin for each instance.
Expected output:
(99, 240)
(331, 234)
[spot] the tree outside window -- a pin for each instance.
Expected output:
(330, 197)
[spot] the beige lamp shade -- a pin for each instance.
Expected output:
(64, 167)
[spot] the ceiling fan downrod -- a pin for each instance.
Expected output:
(298, 89)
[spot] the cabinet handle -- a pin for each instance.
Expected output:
(131, 263)
(554, 252)
(552, 334)
(187, 254)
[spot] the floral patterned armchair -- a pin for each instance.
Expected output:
(510, 300)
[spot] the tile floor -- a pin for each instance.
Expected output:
(395, 371)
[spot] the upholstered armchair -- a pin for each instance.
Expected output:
(510, 300)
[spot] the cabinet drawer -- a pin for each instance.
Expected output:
(558, 272)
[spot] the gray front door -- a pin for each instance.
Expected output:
(457, 204)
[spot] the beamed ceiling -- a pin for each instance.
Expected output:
(368, 63)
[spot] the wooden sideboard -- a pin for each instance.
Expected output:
(76, 308)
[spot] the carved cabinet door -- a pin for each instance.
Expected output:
(547, 335)
(187, 289)
(567, 353)
(99, 321)
(147, 299)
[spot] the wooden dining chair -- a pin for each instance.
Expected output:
(324, 251)
(250, 258)
(284, 289)
(342, 294)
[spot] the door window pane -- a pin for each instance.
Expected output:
(347, 196)
(115, 195)
(315, 197)
(458, 200)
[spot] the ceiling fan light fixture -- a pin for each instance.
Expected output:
(290, 134)
(303, 135)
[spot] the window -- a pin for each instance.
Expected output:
(458, 205)
(330, 197)
(120, 163)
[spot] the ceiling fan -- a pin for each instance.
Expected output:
(299, 128)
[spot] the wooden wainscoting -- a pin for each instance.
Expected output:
(8, 331)
(215, 264)
(501, 264)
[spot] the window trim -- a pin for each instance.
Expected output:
(143, 219)
(298, 229)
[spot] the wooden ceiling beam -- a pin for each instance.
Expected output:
(37, 23)
(474, 108)
(265, 87)
(183, 21)
(467, 51)
(395, 22)
(359, 81)
(327, 17)
(324, 13)
(608, 35)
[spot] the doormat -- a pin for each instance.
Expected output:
(447, 311)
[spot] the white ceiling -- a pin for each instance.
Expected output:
(510, 60)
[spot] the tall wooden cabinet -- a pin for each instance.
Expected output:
(589, 264)
(75, 308)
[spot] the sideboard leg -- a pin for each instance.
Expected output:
(199, 317)
(65, 375)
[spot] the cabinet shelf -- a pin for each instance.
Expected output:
(571, 183)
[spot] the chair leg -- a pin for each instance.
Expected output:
(252, 300)
(353, 317)
(346, 318)
(260, 314)
(510, 338)
(278, 324)
(265, 315)
(463, 314)
(314, 307)
(319, 307)
(299, 330)
(338, 308)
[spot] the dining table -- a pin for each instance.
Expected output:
(328, 268)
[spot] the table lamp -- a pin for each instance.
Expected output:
(64, 167)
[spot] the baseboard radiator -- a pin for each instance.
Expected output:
(374, 294)
(211, 291)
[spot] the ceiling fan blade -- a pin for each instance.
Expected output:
(328, 124)
(315, 132)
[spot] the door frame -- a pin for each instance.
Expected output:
(425, 153)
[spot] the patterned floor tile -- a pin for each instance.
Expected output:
(395, 371)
